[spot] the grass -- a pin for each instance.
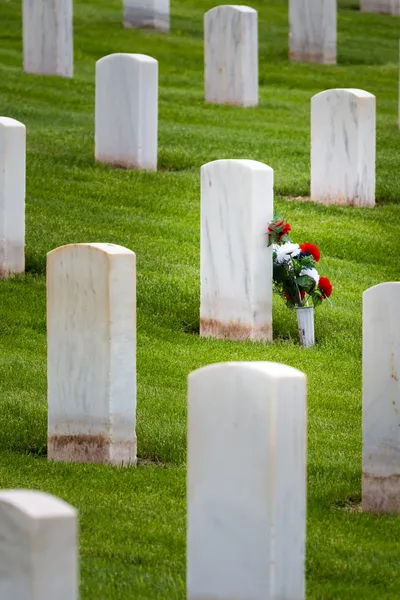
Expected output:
(132, 538)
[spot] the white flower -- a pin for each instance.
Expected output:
(313, 273)
(286, 251)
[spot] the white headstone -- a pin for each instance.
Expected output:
(381, 399)
(47, 37)
(343, 147)
(12, 196)
(235, 264)
(313, 25)
(91, 350)
(246, 482)
(231, 55)
(38, 547)
(391, 7)
(152, 14)
(127, 111)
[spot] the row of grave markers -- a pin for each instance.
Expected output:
(246, 472)
(247, 430)
(48, 38)
(342, 157)
(91, 341)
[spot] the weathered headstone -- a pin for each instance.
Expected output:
(246, 482)
(151, 14)
(127, 111)
(381, 399)
(91, 349)
(47, 37)
(235, 264)
(38, 547)
(343, 147)
(391, 7)
(231, 55)
(12, 196)
(313, 25)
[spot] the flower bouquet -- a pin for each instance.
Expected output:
(295, 277)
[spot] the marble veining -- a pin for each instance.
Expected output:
(126, 111)
(91, 332)
(12, 196)
(312, 30)
(38, 547)
(231, 55)
(235, 264)
(151, 14)
(381, 399)
(47, 37)
(343, 147)
(246, 485)
(391, 7)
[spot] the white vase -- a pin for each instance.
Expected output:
(305, 324)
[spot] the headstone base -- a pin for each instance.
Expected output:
(91, 449)
(234, 331)
(381, 495)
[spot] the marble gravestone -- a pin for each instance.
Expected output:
(343, 147)
(313, 30)
(91, 349)
(47, 37)
(391, 7)
(235, 264)
(38, 547)
(12, 196)
(246, 484)
(151, 14)
(231, 55)
(381, 399)
(126, 112)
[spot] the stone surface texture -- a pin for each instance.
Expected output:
(151, 14)
(126, 113)
(246, 482)
(343, 147)
(231, 55)
(381, 399)
(12, 196)
(235, 264)
(47, 37)
(38, 547)
(91, 345)
(391, 7)
(313, 30)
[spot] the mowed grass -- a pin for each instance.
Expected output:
(132, 521)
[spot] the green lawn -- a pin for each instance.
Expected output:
(132, 521)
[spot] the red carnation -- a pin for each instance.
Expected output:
(286, 229)
(325, 286)
(311, 249)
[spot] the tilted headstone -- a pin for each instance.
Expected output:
(343, 147)
(127, 111)
(391, 7)
(381, 399)
(231, 55)
(12, 196)
(151, 14)
(91, 349)
(246, 482)
(47, 37)
(38, 547)
(313, 25)
(235, 264)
